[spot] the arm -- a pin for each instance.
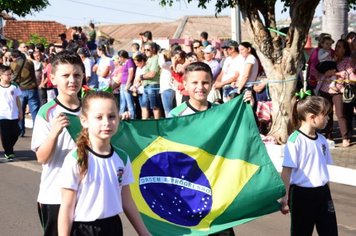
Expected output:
(130, 78)
(244, 78)
(286, 173)
(66, 212)
(19, 107)
(132, 213)
(105, 72)
(45, 151)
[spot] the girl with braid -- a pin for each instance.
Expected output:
(96, 176)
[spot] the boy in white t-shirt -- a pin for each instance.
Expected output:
(50, 140)
(10, 112)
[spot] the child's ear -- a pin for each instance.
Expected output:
(83, 121)
(53, 79)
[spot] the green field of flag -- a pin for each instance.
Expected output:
(199, 174)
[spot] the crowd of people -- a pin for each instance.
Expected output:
(152, 82)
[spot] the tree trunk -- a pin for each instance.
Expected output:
(335, 18)
(281, 56)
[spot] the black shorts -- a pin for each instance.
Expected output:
(111, 226)
(48, 214)
(311, 207)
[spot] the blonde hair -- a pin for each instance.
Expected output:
(83, 138)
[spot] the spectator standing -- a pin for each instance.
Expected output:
(166, 81)
(10, 112)
(150, 98)
(128, 75)
(24, 74)
(204, 39)
(90, 77)
(197, 47)
(209, 58)
(230, 70)
(104, 67)
(37, 61)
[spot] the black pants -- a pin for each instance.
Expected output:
(10, 132)
(111, 226)
(48, 214)
(312, 207)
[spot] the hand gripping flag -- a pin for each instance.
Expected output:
(199, 174)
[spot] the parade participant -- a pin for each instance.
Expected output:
(50, 140)
(198, 82)
(10, 112)
(96, 176)
(305, 172)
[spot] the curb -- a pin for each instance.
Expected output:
(337, 174)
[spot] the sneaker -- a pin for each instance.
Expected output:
(10, 157)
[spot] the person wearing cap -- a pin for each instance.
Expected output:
(229, 72)
(209, 58)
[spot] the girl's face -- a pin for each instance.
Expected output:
(320, 121)
(244, 51)
(340, 50)
(327, 44)
(102, 120)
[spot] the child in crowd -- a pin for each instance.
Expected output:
(51, 140)
(305, 172)
(96, 176)
(10, 112)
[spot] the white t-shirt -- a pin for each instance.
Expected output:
(49, 192)
(99, 191)
(243, 61)
(230, 67)
(8, 107)
(165, 78)
(103, 63)
(308, 157)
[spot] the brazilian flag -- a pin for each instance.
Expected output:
(201, 173)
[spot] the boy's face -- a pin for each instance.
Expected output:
(198, 84)
(6, 77)
(68, 79)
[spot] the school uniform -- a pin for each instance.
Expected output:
(98, 202)
(49, 196)
(9, 115)
(309, 200)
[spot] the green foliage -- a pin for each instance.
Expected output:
(22, 7)
(222, 4)
(36, 39)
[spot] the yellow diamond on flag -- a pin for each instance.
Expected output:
(185, 185)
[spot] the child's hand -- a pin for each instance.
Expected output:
(248, 97)
(284, 206)
(59, 123)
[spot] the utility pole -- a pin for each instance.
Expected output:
(235, 24)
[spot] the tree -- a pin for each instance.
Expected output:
(282, 58)
(22, 7)
(335, 17)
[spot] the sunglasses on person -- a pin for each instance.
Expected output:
(196, 47)
(4, 49)
(147, 50)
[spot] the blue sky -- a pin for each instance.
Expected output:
(81, 12)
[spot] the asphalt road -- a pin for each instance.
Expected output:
(19, 187)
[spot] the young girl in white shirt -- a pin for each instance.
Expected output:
(305, 172)
(96, 176)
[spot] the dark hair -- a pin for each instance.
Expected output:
(91, 24)
(198, 66)
(103, 47)
(140, 57)
(148, 35)
(175, 46)
(182, 54)
(40, 47)
(4, 68)
(346, 46)
(315, 105)
(66, 57)
(123, 53)
(136, 45)
(204, 35)
(350, 35)
(83, 138)
(17, 53)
